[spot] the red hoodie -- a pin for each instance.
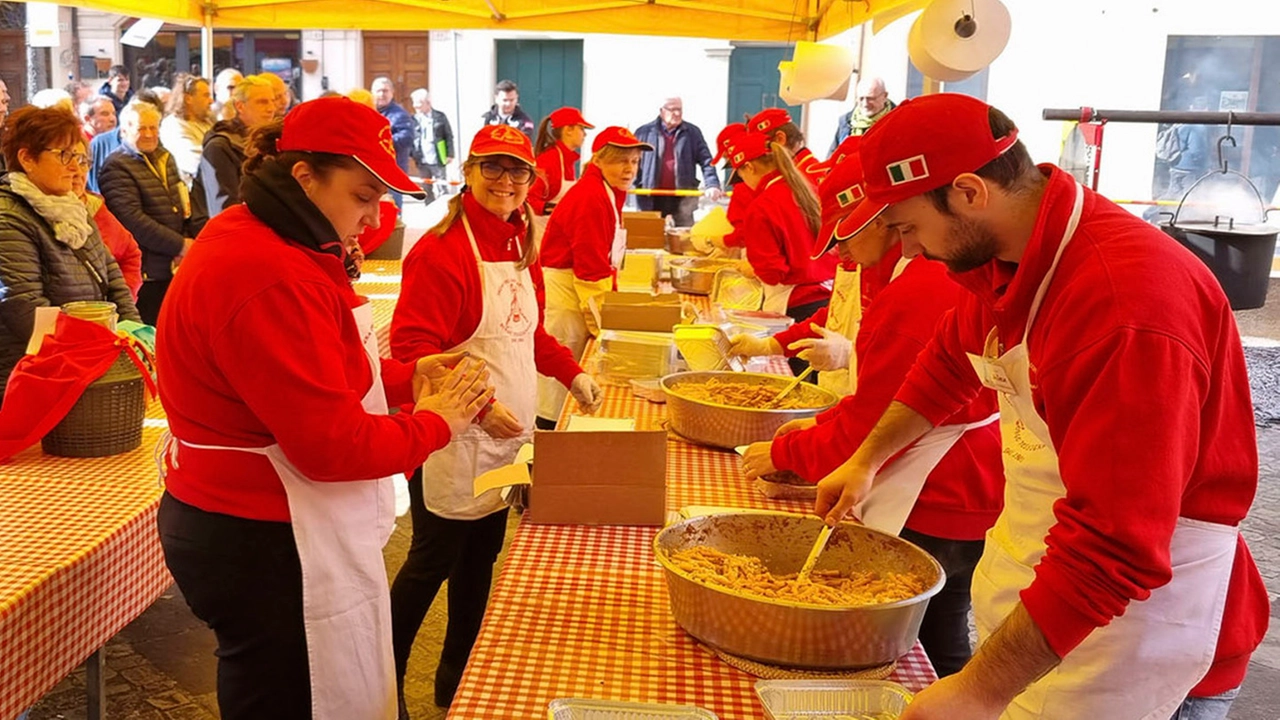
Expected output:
(580, 232)
(255, 353)
(736, 214)
(1139, 374)
(963, 495)
(555, 165)
(779, 243)
(121, 244)
(441, 298)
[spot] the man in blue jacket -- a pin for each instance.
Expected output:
(403, 127)
(679, 151)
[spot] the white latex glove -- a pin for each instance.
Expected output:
(744, 345)
(588, 394)
(830, 352)
(499, 422)
(713, 194)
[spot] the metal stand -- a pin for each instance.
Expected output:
(95, 686)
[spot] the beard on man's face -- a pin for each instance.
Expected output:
(974, 244)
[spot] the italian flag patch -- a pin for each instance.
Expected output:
(905, 171)
(850, 196)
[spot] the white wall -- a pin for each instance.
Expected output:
(99, 35)
(341, 56)
(1096, 53)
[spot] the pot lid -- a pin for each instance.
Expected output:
(1225, 226)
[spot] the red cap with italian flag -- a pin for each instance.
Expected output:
(925, 143)
(846, 211)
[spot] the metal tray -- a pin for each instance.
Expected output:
(583, 709)
(832, 699)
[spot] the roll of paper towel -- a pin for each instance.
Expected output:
(816, 71)
(953, 39)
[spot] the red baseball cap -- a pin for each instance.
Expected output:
(502, 139)
(844, 150)
(927, 142)
(846, 210)
(725, 137)
(745, 147)
(617, 137)
(339, 126)
(566, 116)
(768, 120)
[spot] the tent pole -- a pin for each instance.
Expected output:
(206, 43)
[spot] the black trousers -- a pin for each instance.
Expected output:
(461, 551)
(244, 580)
(680, 209)
(150, 296)
(800, 313)
(944, 632)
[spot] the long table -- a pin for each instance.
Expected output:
(79, 554)
(582, 611)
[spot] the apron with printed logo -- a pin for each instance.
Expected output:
(504, 340)
(340, 529)
(1143, 663)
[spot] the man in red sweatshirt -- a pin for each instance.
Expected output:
(952, 483)
(1115, 582)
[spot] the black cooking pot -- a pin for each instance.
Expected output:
(1221, 219)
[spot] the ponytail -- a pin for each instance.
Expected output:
(800, 187)
(528, 257)
(547, 136)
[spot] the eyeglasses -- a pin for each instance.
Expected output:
(66, 157)
(520, 175)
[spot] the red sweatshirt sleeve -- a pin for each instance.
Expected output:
(551, 358)
(590, 228)
(288, 380)
(1125, 474)
(538, 194)
(432, 294)
(942, 381)
(814, 453)
(397, 381)
(801, 330)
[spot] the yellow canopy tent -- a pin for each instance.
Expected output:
(750, 20)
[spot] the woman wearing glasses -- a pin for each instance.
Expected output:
(583, 248)
(50, 249)
(473, 284)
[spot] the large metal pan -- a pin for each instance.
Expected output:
(792, 634)
(695, 275)
(726, 426)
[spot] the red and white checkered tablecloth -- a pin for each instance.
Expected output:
(583, 611)
(79, 560)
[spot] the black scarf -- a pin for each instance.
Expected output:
(275, 198)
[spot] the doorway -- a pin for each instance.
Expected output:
(399, 56)
(754, 81)
(548, 72)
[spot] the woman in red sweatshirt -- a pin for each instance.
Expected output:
(584, 247)
(473, 285)
(955, 476)
(560, 137)
(780, 229)
(278, 493)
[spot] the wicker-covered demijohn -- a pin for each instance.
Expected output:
(107, 419)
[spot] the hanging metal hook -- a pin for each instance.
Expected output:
(1222, 158)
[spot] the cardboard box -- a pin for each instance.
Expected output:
(599, 478)
(645, 230)
(638, 311)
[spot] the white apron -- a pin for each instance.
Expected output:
(1144, 662)
(844, 314)
(565, 183)
(340, 529)
(504, 340)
